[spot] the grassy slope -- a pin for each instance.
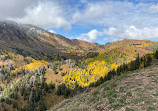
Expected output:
(136, 91)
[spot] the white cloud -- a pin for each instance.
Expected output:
(46, 14)
(90, 36)
(132, 32)
(42, 13)
(115, 34)
(122, 19)
(15, 8)
(51, 31)
(115, 13)
(57, 14)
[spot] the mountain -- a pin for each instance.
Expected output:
(39, 69)
(31, 40)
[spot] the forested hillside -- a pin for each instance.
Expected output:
(129, 91)
(26, 83)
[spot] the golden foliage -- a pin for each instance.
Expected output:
(35, 65)
(85, 77)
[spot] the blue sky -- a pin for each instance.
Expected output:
(77, 30)
(95, 21)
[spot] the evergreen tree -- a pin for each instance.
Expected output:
(42, 106)
(156, 54)
(137, 62)
(63, 90)
(149, 60)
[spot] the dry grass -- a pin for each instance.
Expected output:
(52, 99)
(51, 77)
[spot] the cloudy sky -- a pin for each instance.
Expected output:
(98, 21)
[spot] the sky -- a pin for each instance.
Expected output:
(95, 21)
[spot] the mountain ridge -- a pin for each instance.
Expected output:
(31, 39)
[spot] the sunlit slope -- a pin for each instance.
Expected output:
(97, 64)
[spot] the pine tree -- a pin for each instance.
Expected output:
(156, 55)
(137, 62)
(149, 60)
(61, 89)
(42, 106)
